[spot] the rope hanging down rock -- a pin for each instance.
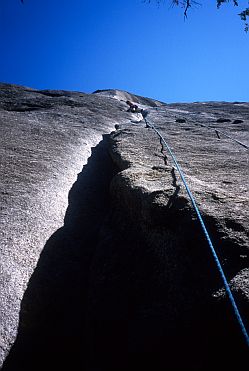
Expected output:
(220, 269)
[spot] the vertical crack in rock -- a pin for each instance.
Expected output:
(177, 189)
(154, 299)
(52, 327)
(128, 281)
(163, 153)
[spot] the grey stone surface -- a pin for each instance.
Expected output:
(159, 259)
(46, 138)
(103, 264)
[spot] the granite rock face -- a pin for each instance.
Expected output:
(179, 314)
(102, 257)
(49, 191)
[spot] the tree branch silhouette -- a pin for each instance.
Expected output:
(187, 4)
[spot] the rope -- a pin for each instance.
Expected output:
(220, 269)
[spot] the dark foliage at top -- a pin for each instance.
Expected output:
(187, 4)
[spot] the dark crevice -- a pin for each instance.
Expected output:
(173, 199)
(116, 292)
(151, 302)
(165, 158)
(52, 327)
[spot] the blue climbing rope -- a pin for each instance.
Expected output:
(220, 269)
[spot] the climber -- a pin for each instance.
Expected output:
(132, 107)
(144, 113)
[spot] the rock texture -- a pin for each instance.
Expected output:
(106, 267)
(179, 315)
(46, 139)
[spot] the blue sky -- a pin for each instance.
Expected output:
(87, 45)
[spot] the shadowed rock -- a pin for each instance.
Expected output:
(41, 151)
(103, 263)
(52, 326)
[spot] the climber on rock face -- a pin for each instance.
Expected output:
(132, 107)
(144, 112)
(135, 109)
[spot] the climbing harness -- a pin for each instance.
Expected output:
(220, 269)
